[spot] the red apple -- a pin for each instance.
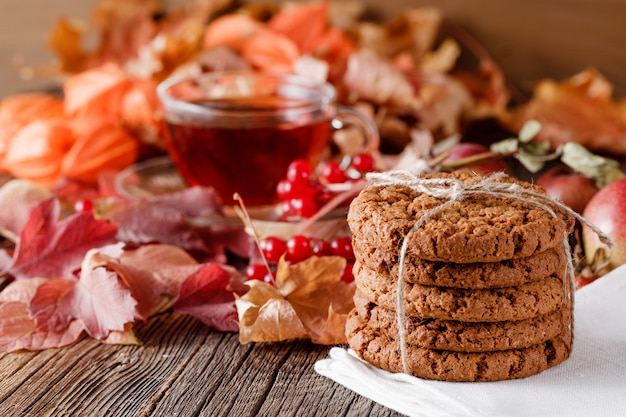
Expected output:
(571, 188)
(468, 150)
(607, 211)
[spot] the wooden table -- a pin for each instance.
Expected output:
(183, 369)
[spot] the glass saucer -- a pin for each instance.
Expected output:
(158, 176)
(149, 178)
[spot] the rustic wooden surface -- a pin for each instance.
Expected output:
(183, 369)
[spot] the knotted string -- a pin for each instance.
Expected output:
(452, 189)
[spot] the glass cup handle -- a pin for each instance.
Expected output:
(369, 140)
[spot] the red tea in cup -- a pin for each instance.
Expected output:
(238, 132)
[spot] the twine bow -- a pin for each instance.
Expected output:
(452, 189)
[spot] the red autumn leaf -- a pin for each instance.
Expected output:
(154, 275)
(17, 330)
(5, 261)
(17, 199)
(102, 302)
(208, 296)
(51, 304)
(22, 290)
(54, 248)
(98, 300)
(191, 219)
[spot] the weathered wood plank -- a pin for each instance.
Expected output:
(93, 379)
(183, 369)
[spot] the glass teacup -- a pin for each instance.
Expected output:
(239, 131)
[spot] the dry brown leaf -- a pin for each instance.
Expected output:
(414, 30)
(272, 321)
(579, 109)
(66, 40)
(309, 301)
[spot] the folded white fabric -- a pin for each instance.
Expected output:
(592, 382)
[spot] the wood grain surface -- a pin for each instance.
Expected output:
(183, 369)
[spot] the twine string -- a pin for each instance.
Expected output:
(452, 189)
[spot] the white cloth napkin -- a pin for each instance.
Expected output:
(591, 383)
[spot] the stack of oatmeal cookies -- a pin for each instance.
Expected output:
(486, 291)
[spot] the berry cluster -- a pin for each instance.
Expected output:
(303, 191)
(298, 248)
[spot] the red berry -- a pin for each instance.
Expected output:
(257, 271)
(347, 274)
(299, 172)
(272, 248)
(285, 211)
(332, 173)
(582, 281)
(342, 246)
(363, 162)
(298, 247)
(82, 206)
(320, 248)
(303, 207)
(284, 190)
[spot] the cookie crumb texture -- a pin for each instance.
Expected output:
(454, 335)
(384, 352)
(469, 305)
(478, 228)
(477, 275)
(485, 289)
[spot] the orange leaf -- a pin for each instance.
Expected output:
(105, 147)
(305, 25)
(579, 109)
(232, 30)
(271, 52)
(335, 43)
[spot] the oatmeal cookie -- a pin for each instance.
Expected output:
(477, 275)
(470, 305)
(477, 228)
(458, 336)
(384, 352)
